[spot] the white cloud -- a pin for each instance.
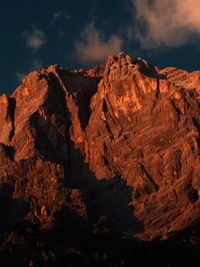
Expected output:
(93, 47)
(35, 39)
(169, 22)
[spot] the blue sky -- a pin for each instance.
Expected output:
(37, 34)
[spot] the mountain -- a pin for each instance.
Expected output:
(93, 162)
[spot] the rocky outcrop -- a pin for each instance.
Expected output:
(147, 129)
(116, 147)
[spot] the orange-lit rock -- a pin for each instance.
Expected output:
(120, 141)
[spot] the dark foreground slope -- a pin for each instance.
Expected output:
(101, 167)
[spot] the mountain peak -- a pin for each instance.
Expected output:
(116, 145)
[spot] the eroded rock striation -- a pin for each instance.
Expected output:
(114, 148)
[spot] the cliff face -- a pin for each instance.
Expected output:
(118, 142)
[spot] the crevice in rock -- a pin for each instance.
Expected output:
(12, 103)
(60, 87)
(108, 162)
(83, 90)
(86, 108)
(111, 112)
(178, 112)
(111, 135)
(148, 69)
(193, 195)
(157, 88)
(9, 151)
(150, 178)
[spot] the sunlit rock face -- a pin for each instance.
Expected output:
(119, 142)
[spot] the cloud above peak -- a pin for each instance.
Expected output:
(35, 39)
(168, 23)
(93, 47)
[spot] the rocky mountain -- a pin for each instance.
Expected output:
(93, 162)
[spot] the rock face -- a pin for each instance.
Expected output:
(115, 147)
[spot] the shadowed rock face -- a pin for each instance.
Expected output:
(117, 145)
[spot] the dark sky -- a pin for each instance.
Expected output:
(73, 33)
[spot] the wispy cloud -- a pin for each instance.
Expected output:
(93, 47)
(35, 39)
(56, 16)
(37, 64)
(59, 14)
(168, 23)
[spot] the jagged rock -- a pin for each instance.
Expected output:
(120, 141)
(6, 119)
